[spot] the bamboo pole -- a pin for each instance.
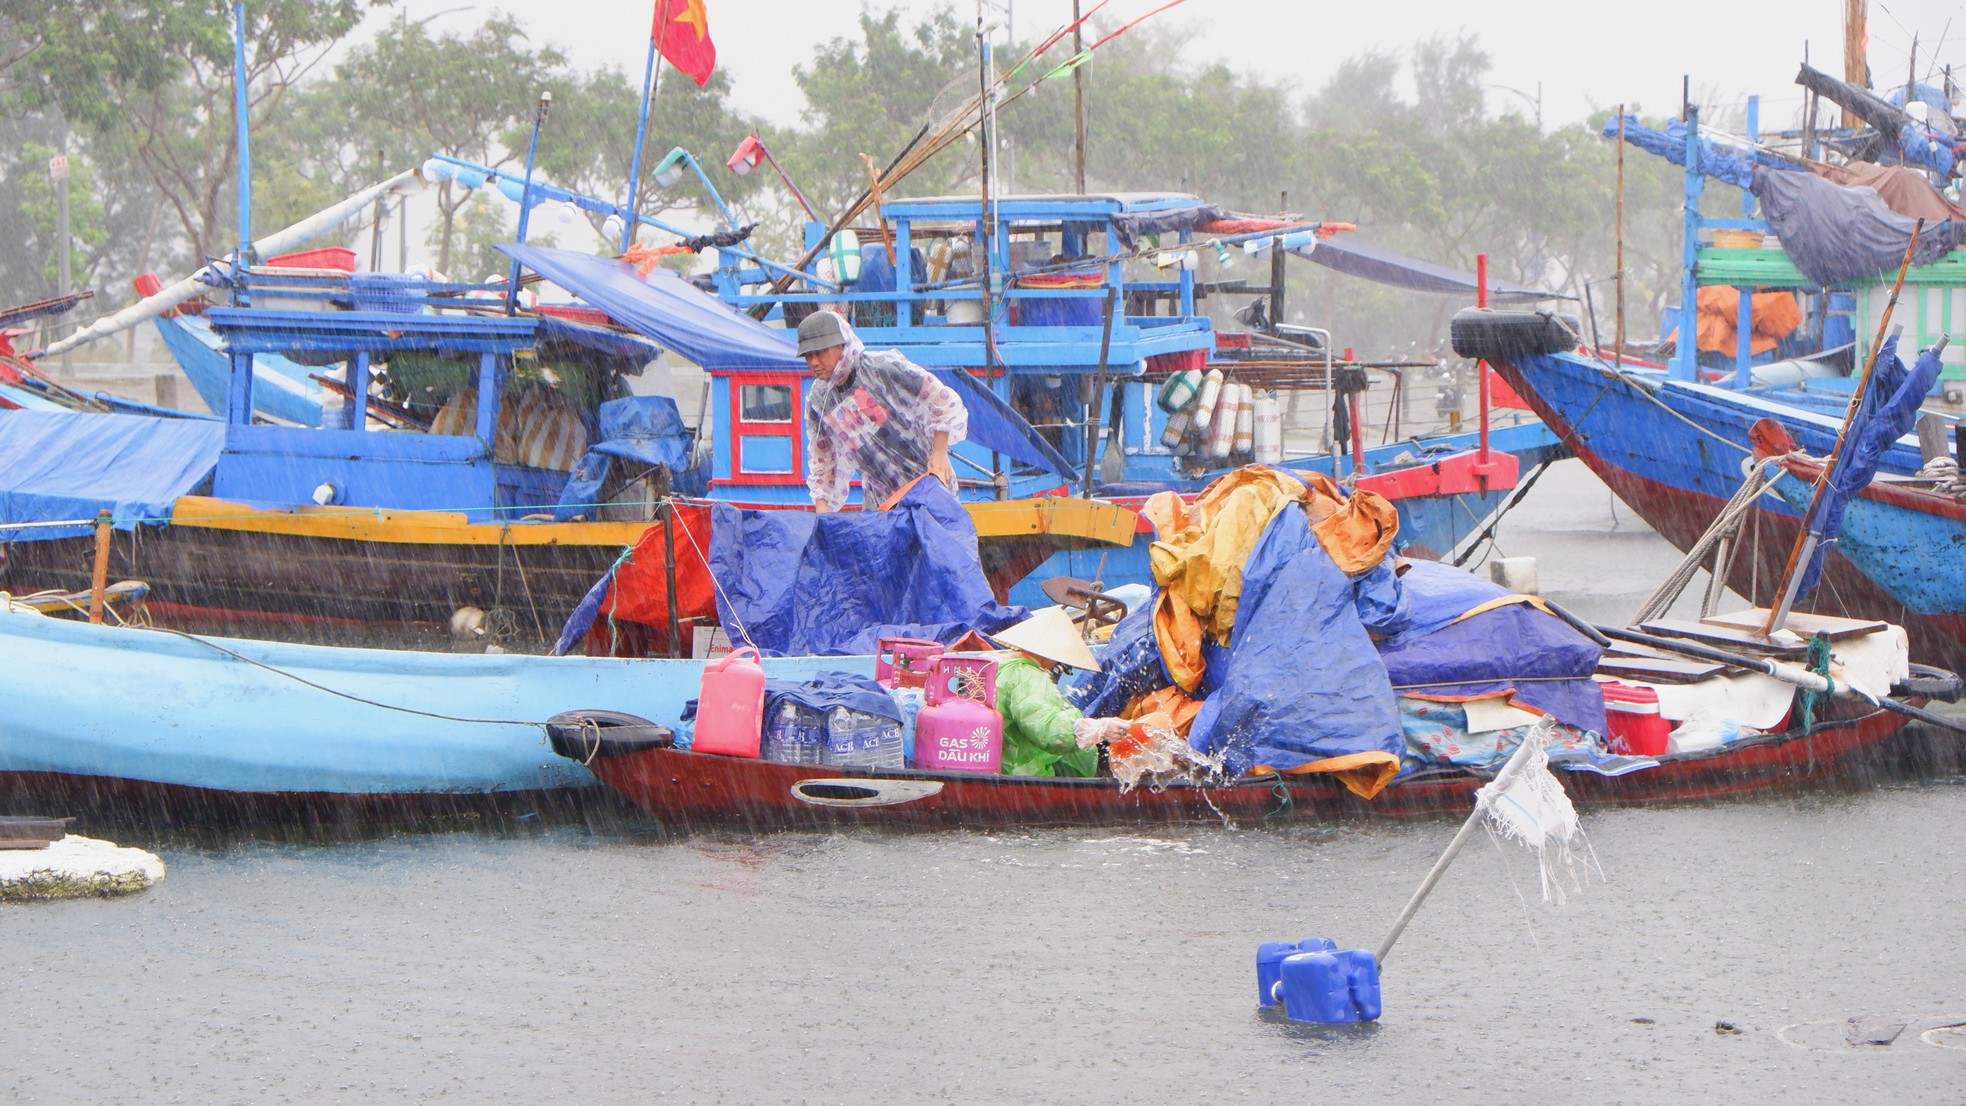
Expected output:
(1618, 354)
(1807, 538)
(874, 186)
(99, 577)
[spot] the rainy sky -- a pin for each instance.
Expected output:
(1576, 58)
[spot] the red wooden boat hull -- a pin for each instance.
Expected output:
(686, 790)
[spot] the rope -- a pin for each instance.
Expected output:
(714, 582)
(208, 643)
(1726, 524)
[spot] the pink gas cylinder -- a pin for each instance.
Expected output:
(959, 729)
(904, 662)
(730, 707)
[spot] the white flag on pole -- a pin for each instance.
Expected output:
(1526, 804)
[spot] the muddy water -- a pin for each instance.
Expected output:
(1718, 960)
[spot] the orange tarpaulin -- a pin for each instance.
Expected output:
(1776, 315)
(634, 618)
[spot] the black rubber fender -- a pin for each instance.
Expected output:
(1927, 682)
(1484, 333)
(583, 735)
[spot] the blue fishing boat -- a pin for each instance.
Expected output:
(1674, 440)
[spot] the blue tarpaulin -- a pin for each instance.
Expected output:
(645, 429)
(702, 328)
(1445, 652)
(665, 307)
(1302, 679)
(1888, 412)
(1724, 162)
(1377, 263)
(57, 465)
(802, 583)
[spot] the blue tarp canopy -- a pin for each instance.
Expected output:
(797, 583)
(57, 465)
(704, 329)
(1724, 162)
(1377, 263)
(1838, 235)
(1889, 411)
(665, 307)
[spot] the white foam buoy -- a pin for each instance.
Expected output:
(1518, 574)
(75, 868)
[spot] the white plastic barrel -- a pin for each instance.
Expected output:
(1269, 429)
(1211, 395)
(1245, 439)
(1222, 429)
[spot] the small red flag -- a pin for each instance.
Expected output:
(682, 33)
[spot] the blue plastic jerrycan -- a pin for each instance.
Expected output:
(1269, 964)
(1330, 988)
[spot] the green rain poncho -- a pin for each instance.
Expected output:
(1037, 724)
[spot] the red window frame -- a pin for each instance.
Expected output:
(741, 428)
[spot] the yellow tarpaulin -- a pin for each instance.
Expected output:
(1198, 560)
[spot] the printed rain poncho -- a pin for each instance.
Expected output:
(877, 416)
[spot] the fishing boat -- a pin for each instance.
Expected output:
(1673, 440)
(1409, 684)
(446, 493)
(685, 790)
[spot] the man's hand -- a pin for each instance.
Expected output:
(938, 459)
(823, 506)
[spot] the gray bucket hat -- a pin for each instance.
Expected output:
(821, 330)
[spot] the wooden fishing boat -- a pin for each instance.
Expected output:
(338, 575)
(201, 728)
(686, 790)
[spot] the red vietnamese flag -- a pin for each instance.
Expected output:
(682, 33)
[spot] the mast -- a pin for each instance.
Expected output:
(1078, 100)
(1856, 39)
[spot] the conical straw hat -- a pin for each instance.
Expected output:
(1050, 634)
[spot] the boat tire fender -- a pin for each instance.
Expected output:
(1487, 334)
(1927, 682)
(583, 735)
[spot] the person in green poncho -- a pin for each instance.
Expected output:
(1038, 724)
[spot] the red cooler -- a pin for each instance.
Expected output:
(1632, 714)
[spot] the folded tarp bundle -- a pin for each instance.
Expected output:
(1321, 641)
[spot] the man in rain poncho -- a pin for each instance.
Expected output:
(878, 414)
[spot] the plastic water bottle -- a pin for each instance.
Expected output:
(889, 750)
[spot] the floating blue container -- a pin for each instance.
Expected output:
(1270, 956)
(1330, 988)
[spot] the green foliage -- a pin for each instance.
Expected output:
(153, 77)
(589, 142)
(471, 96)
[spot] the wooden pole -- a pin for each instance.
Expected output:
(1096, 416)
(1078, 100)
(880, 220)
(1855, 39)
(669, 575)
(100, 576)
(1618, 354)
(1503, 779)
(1807, 538)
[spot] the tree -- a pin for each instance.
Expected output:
(156, 75)
(468, 96)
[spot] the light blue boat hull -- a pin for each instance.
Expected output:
(161, 708)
